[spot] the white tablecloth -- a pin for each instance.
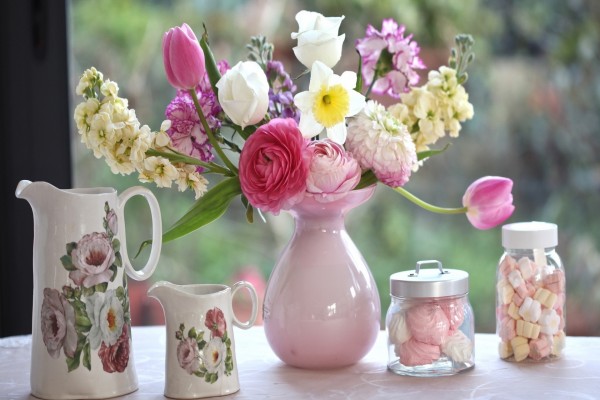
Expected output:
(264, 376)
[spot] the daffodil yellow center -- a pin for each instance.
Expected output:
(331, 105)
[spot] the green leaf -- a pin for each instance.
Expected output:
(181, 327)
(87, 359)
(101, 287)
(118, 260)
(200, 335)
(201, 344)
(67, 262)
(429, 153)
(87, 292)
(120, 293)
(359, 77)
(209, 61)
(70, 247)
(206, 209)
(199, 374)
(113, 268)
(192, 333)
(116, 245)
(73, 363)
(368, 178)
(82, 323)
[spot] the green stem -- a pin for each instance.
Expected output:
(427, 206)
(375, 77)
(209, 133)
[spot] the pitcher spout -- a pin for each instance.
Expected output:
(31, 191)
(164, 292)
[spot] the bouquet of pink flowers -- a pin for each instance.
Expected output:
(320, 143)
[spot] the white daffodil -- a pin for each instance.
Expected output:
(329, 100)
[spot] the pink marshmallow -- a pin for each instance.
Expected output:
(413, 352)
(527, 268)
(507, 329)
(555, 282)
(428, 323)
(507, 265)
(539, 348)
(518, 299)
(501, 312)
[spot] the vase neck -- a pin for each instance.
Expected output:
(322, 221)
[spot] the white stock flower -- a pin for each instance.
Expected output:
(88, 79)
(141, 144)
(329, 100)
(244, 93)
(426, 109)
(318, 39)
(190, 179)
(84, 112)
(109, 88)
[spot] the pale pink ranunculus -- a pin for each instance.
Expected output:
(332, 171)
(92, 257)
(183, 57)
(58, 324)
(116, 357)
(274, 165)
(215, 321)
(188, 355)
(489, 201)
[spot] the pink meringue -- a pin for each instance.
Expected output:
(454, 311)
(428, 323)
(413, 352)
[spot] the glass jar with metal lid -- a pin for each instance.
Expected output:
(530, 294)
(430, 322)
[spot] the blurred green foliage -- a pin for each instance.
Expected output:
(535, 86)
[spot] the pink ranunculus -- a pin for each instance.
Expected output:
(215, 321)
(489, 201)
(332, 171)
(188, 355)
(274, 166)
(92, 257)
(58, 324)
(116, 357)
(183, 57)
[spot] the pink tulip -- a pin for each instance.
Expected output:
(489, 201)
(183, 58)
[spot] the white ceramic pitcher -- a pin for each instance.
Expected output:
(200, 359)
(81, 326)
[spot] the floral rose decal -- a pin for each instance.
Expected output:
(87, 315)
(206, 359)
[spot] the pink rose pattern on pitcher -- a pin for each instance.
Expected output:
(206, 358)
(87, 315)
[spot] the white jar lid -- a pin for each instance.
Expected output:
(430, 282)
(529, 235)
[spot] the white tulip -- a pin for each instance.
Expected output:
(244, 93)
(318, 39)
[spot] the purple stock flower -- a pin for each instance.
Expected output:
(281, 92)
(186, 132)
(390, 58)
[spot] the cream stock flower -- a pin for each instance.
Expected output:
(329, 100)
(160, 171)
(318, 39)
(190, 178)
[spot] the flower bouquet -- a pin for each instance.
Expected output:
(279, 148)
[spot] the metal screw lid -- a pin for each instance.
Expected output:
(429, 282)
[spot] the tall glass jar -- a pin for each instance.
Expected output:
(430, 322)
(530, 294)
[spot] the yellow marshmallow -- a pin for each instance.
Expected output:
(505, 350)
(550, 301)
(528, 329)
(558, 343)
(513, 311)
(541, 295)
(520, 350)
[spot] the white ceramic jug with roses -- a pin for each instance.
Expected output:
(81, 327)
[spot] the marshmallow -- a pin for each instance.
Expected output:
(413, 352)
(555, 282)
(517, 299)
(530, 310)
(527, 268)
(546, 297)
(516, 279)
(558, 343)
(539, 348)
(458, 347)
(549, 322)
(505, 291)
(527, 329)
(505, 350)
(501, 312)
(507, 265)
(513, 311)
(398, 331)
(507, 330)
(520, 348)
(427, 323)
(539, 256)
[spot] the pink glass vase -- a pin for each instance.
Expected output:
(321, 307)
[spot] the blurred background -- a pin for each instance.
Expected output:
(535, 87)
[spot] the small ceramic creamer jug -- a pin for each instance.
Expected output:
(200, 359)
(81, 328)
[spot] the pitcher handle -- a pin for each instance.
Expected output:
(150, 266)
(237, 286)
